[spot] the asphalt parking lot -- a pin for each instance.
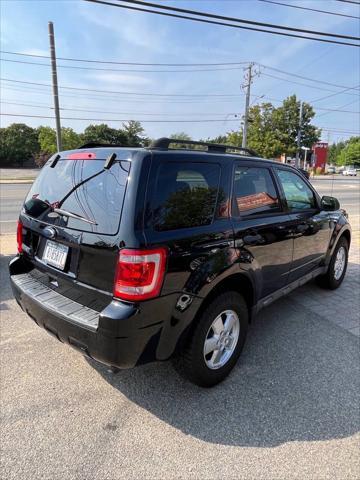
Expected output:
(290, 410)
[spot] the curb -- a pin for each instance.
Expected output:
(14, 181)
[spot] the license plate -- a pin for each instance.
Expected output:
(55, 254)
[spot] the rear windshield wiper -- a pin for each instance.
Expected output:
(65, 213)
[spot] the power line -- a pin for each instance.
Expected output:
(348, 1)
(162, 101)
(297, 83)
(207, 120)
(112, 62)
(305, 78)
(339, 131)
(174, 71)
(153, 121)
(332, 95)
(181, 95)
(329, 111)
(124, 70)
(152, 114)
(238, 20)
(310, 9)
(75, 109)
(213, 22)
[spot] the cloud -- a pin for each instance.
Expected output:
(35, 51)
(119, 79)
(131, 31)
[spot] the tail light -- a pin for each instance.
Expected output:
(140, 274)
(19, 237)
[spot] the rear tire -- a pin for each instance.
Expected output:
(334, 277)
(217, 341)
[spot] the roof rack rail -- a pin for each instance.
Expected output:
(99, 145)
(164, 143)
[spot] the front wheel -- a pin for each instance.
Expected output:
(337, 267)
(217, 340)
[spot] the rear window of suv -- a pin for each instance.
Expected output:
(185, 195)
(99, 199)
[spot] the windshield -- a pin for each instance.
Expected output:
(98, 199)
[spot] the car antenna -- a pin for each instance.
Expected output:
(55, 160)
(109, 161)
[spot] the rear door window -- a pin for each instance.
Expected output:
(254, 192)
(81, 187)
(185, 195)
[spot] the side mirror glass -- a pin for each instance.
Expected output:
(329, 204)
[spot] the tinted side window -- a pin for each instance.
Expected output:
(298, 194)
(254, 191)
(185, 195)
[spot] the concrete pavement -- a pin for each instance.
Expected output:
(290, 410)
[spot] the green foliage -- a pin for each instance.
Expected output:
(131, 135)
(18, 143)
(334, 152)
(102, 133)
(287, 123)
(345, 153)
(134, 133)
(47, 139)
(273, 131)
(350, 154)
(180, 136)
(219, 139)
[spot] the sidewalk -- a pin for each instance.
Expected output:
(18, 175)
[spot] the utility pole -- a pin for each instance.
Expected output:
(297, 161)
(55, 85)
(248, 78)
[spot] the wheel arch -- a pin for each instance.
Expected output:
(237, 282)
(343, 233)
(347, 234)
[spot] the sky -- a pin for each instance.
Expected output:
(97, 32)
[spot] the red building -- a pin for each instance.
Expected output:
(319, 155)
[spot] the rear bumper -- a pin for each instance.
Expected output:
(121, 335)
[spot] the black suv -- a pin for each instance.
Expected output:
(132, 255)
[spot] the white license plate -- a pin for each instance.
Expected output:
(55, 254)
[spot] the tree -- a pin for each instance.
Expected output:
(334, 152)
(180, 136)
(350, 154)
(102, 133)
(18, 143)
(47, 139)
(48, 146)
(264, 134)
(273, 131)
(134, 134)
(286, 120)
(219, 139)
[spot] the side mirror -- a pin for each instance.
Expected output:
(329, 204)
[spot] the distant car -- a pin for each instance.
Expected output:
(351, 171)
(305, 173)
(331, 170)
